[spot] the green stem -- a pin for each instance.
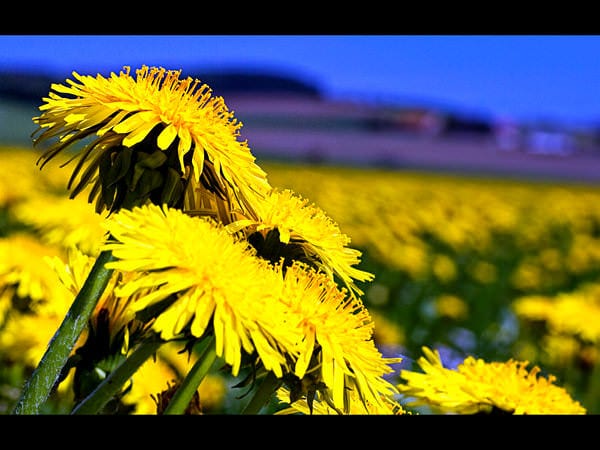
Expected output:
(189, 386)
(106, 390)
(263, 394)
(41, 382)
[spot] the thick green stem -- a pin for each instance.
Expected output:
(106, 390)
(263, 394)
(189, 385)
(41, 382)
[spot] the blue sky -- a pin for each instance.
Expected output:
(530, 77)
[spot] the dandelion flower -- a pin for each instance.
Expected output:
(307, 228)
(24, 337)
(17, 179)
(28, 328)
(337, 339)
(574, 313)
(68, 223)
(480, 386)
(213, 281)
(145, 136)
(24, 271)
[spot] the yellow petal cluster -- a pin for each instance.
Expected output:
(217, 284)
(340, 327)
(306, 224)
(215, 280)
(480, 386)
(179, 114)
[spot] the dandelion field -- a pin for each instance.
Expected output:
(160, 268)
(499, 269)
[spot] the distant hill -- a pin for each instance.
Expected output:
(32, 86)
(239, 81)
(25, 86)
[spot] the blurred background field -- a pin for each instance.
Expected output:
(483, 233)
(468, 265)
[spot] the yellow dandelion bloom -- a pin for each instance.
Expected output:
(444, 268)
(480, 386)
(214, 281)
(451, 306)
(386, 331)
(17, 179)
(24, 271)
(113, 328)
(147, 135)
(389, 406)
(308, 227)
(574, 313)
(484, 272)
(67, 223)
(337, 329)
(25, 335)
(116, 311)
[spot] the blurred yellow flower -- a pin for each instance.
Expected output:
(62, 221)
(575, 313)
(484, 272)
(24, 271)
(451, 306)
(444, 268)
(479, 386)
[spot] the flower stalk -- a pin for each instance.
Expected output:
(263, 394)
(44, 377)
(106, 390)
(190, 384)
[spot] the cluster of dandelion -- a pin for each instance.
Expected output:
(200, 251)
(193, 260)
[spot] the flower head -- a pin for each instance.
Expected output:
(209, 281)
(337, 353)
(309, 234)
(63, 222)
(25, 273)
(479, 386)
(146, 137)
(575, 313)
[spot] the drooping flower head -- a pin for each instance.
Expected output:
(209, 281)
(145, 137)
(289, 226)
(479, 386)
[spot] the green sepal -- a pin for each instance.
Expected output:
(173, 188)
(146, 162)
